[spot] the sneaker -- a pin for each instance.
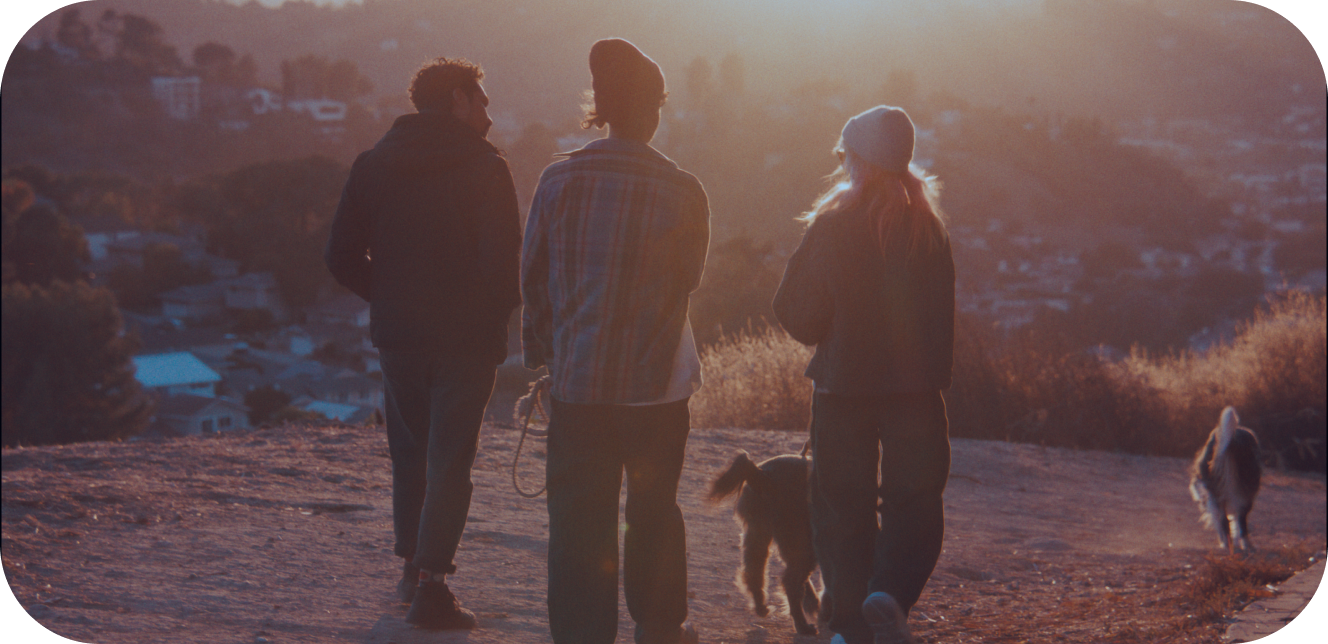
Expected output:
(686, 635)
(410, 580)
(887, 621)
(436, 608)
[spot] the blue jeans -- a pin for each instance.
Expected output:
(858, 555)
(434, 406)
(590, 447)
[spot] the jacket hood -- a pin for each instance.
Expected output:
(435, 133)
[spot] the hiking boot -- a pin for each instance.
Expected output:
(410, 580)
(436, 608)
(887, 621)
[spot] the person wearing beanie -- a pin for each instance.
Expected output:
(615, 243)
(871, 286)
(429, 233)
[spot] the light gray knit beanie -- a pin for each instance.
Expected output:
(882, 135)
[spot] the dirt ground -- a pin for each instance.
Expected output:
(284, 535)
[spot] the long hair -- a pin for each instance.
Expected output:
(901, 206)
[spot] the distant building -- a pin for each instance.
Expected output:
(179, 97)
(352, 414)
(101, 231)
(253, 291)
(348, 310)
(198, 302)
(130, 249)
(263, 101)
(322, 110)
(190, 415)
(176, 373)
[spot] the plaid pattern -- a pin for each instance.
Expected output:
(615, 243)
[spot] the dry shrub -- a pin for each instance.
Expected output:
(753, 380)
(1274, 373)
(1033, 387)
(1225, 584)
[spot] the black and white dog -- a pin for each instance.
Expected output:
(1225, 480)
(773, 507)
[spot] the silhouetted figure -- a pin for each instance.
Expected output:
(429, 233)
(615, 243)
(872, 286)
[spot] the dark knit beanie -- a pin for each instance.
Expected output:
(623, 79)
(882, 135)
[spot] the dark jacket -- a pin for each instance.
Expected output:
(879, 326)
(428, 232)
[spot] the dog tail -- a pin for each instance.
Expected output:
(1227, 429)
(730, 481)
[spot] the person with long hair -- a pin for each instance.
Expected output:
(872, 287)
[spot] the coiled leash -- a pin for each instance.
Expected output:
(527, 406)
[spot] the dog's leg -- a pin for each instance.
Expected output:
(1242, 536)
(799, 562)
(799, 592)
(755, 555)
(1220, 522)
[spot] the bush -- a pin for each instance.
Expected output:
(1034, 387)
(1273, 373)
(753, 380)
(68, 376)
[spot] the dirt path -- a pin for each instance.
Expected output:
(284, 535)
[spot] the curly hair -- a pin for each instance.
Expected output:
(433, 84)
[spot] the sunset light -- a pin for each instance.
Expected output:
(834, 322)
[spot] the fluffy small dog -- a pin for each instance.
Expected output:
(773, 507)
(1225, 480)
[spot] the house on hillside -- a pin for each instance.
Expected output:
(131, 249)
(346, 388)
(347, 310)
(190, 415)
(253, 291)
(178, 96)
(101, 230)
(197, 302)
(176, 373)
(351, 414)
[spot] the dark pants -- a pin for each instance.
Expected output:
(434, 409)
(858, 556)
(590, 446)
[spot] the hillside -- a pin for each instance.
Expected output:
(284, 535)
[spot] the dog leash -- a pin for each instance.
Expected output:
(532, 402)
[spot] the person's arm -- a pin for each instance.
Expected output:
(803, 304)
(497, 226)
(696, 240)
(537, 314)
(347, 252)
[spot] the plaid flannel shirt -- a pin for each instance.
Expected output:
(615, 243)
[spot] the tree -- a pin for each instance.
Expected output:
(40, 245)
(77, 35)
(311, 76)
(264, 403)
(274, 217)
(67, 374)
(140, 42)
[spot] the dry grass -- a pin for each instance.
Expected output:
(753, 380)
(1274, 373)
(1035, 388)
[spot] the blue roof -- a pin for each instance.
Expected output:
(334, 411)
(167, 369)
